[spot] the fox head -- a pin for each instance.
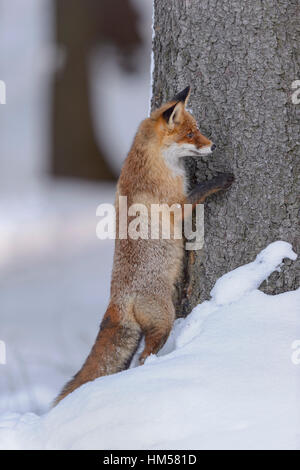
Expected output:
(178, 130)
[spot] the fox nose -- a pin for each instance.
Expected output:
(213, 147)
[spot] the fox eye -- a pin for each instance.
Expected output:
(190, 135)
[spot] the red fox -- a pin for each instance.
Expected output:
(145, 271)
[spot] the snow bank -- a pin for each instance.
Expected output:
(238, 282)
(226, 379)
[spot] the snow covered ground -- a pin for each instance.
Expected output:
(54, 285)
(228, 378)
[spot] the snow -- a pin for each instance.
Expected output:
(54, 285)
(237, 283)
(224, 380)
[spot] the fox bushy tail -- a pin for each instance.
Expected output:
(115, 345)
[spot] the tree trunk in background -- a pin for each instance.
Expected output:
(82, 25)
(240, 59)
(75, 151)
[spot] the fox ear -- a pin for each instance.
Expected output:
(172, 114)
(183, 95)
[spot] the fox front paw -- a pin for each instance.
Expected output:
(226, 180)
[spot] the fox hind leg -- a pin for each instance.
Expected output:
(156, 318)
(154, 341)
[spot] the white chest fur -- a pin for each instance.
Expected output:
(173, 156)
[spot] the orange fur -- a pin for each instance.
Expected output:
(144, 271)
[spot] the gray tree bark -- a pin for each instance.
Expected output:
(240, 57)
(80, 27)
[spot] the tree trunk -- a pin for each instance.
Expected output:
(81, 26)
(241, 59)
(74, 149)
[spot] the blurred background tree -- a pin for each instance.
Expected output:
(82, 26)
(240, 59)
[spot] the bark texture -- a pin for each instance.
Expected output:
(240, 59)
